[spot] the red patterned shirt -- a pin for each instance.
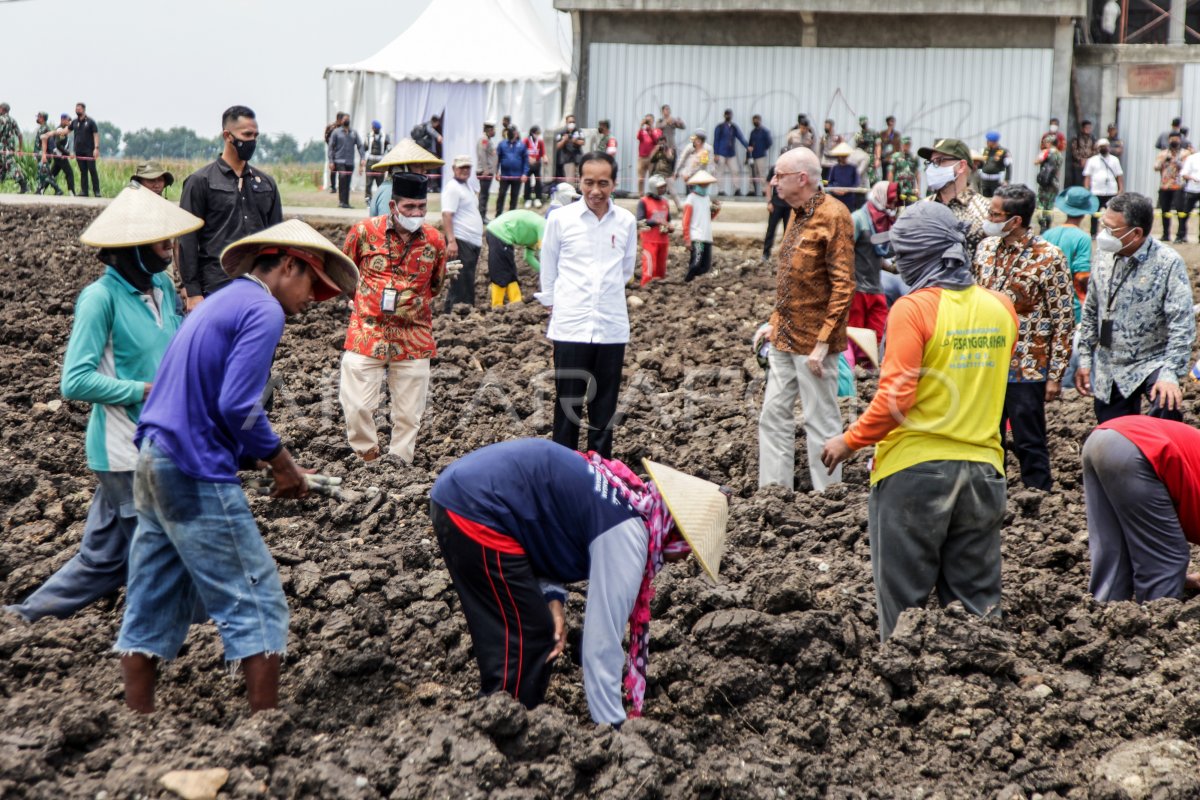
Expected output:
(414, 271)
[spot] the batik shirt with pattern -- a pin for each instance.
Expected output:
(1034, 275)
(972, 208)
(415, 270)
(1171, 165)
(1154, 325)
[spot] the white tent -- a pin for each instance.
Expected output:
(466, 62)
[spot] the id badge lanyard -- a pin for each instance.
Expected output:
(1106, 324)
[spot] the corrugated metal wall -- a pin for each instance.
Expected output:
(1141, 120)
(932, 93)
(1191, 99)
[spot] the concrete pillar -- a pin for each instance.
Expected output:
(1109, 75)
(1064, 51)
(1175, 29)
(575, 99)
(809, 37)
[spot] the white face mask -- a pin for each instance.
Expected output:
(937, 177)
(410, 224)
(995, 228)
(1054, 129)
(1109, 243)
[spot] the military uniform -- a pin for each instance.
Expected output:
(904, 175)
(45, 178)
(865, 141)
(996, 162)
(10, 142)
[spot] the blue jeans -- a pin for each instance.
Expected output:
(197, 540)
(99, 566)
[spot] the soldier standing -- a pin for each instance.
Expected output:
(902, 170)
(997, 166)
(867, 140)
(11, 143)
(55, 146)
(43, 170)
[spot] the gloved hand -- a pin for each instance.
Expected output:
(327, 485)
(453, 268)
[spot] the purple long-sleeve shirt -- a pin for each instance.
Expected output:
(205, 409)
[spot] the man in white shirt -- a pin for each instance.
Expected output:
(1103, 177)
(588, 256)
(464, 232)
(1191, 190)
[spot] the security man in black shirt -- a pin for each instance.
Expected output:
(87, 149)
(233, 199)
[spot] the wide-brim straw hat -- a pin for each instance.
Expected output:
(700, 510)
(339, 271)
(867, 341)
(842, 149)
(408, 153)
(139, 216)
(701, 178)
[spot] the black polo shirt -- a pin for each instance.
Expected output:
(231, 208)
(85, 135)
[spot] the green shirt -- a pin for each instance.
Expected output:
(1076, 247)
(117, 341)
(520, 228)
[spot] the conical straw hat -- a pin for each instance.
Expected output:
(408, 152)
(138, 216)
(701, 178)
(867, 341)
(842, 149)
(700, 511)
(238, 258)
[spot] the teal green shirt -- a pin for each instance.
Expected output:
(520, 228)
(1076, 247)
(116, 342)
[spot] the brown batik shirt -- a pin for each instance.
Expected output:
(1033, 274)
(815, 278)
(972, 208)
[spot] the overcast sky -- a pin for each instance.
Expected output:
(161, 63)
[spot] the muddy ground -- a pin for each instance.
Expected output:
(770, 684)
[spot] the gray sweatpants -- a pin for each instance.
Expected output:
(1137, 544)
(936, 523)
(788, 378)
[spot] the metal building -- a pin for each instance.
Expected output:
(954, 68)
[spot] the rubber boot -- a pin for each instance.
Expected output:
(24, 184)
(497, 295)
(1166, 225)
(513, 292)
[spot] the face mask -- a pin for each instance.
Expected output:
(150, 263)
(937, 177)
(1054, 129)
(701, 190)
(570, 126)
(1103, 151)
(244, 148)
(994, 228)
(1109, 243)
(410, 224)
(1174, 145)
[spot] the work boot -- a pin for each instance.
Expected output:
(512, 293)
(497, 295)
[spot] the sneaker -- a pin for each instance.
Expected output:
(529, 204)
(537, 203)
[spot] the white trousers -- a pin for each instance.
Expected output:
(728, 174)
(408, 386)
(788, 378)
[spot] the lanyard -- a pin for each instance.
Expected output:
(1132, 265)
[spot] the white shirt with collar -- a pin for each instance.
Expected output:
(586, 263)
(1191, 173)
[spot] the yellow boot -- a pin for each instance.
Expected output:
(513, 292)
(497, 295)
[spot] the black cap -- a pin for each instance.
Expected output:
(410, 185)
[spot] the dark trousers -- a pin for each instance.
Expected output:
(87, 166)
(988, 188)
(512, 631)
(374, 178)
(62, 165)
(1171, 201)
(509, 185)
(485, 186)
(1025, 408)
(1103, 198)
(462, 290)
(345, 173)
(1190, 199)
(332, 179)
(936, 524)
(699, 261)
(534, 184)
(589, 375)
(1074, 174)
(1118, 405)
(777, 216)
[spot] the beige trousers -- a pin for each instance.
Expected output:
(408, 387)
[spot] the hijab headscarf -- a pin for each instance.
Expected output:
(664, 539)
(877, 205)
(929, 244)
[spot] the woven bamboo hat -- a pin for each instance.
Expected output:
(338, 273)
(700, 510)
(867, 341)
(701, 178)
(407, 153)
(138, 216)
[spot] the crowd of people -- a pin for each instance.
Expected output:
(981, 323)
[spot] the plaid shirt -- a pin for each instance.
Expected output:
(972, 208)
(1034, 275)
(1148, 297)
(415, 271)
(815, 278)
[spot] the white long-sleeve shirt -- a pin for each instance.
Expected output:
(586, 262)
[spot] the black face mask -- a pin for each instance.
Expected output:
(244, 147)
(138, 265)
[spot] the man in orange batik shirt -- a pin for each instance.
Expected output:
(402, 267)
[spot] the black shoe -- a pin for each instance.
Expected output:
(1180, 240)
(737, 192)
(343, 205)
(333, 191)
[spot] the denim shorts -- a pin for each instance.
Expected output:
(197, 543)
